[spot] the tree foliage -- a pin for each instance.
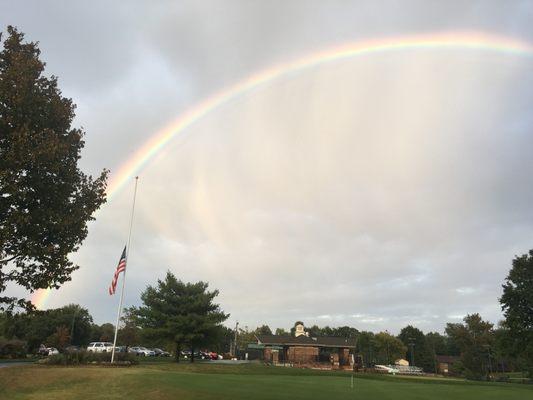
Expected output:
(38, 327)
(263, 330)
(388, 348)
(423, 354)
(366, 347)
(45, 199)
(517, 305)
(438, 343)
(129, 334)
(281, 332)
(475, 338)
(180, 313)
(316, 331)
(60, 338)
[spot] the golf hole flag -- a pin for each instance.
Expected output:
(121, 267)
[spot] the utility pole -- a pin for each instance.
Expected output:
(490, 361)
(234, 347)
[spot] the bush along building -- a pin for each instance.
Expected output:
(305, 351)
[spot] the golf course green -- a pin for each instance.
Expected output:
(209, 381)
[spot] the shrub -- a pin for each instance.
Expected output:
(457, 368)
(12, 348)
(474, 375)
(84, 358)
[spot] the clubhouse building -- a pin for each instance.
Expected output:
(303, 350)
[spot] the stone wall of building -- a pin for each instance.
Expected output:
(267, 354)
(302, 355)
(344, 357)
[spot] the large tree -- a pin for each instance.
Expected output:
(475, 339)
(517, 305)
(366, 348)
(181, 313)
(388, 348)
(417, 348)
(263, 330)
(45, 199)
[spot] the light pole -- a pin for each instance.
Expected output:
(72, 327)
(234, 351)
(412, 345)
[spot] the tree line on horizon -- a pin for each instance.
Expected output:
(177, 316)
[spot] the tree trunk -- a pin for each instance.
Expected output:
(192, 354)
(178, 351)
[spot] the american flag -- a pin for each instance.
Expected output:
(120, 268)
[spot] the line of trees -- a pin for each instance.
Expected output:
(481, 347)
(178, 315)
(174, 315)
(59, 327)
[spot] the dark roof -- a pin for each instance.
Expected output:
(321, 341)
(447, 359)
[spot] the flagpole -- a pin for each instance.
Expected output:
(124, 277)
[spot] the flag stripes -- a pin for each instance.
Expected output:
(121, 267)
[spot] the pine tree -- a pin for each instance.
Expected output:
(180, 313)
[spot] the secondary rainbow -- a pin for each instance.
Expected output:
(478, 41)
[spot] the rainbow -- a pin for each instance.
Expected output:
(480, 41)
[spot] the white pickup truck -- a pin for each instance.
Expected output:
(100, 347)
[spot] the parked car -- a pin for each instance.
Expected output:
(100, 347)
(120, 349)
(52, 351)
(72, 349)
(141, 351)
(43, 350)
(161, 353)
(146, 352)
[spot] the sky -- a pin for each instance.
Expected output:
(377, 191)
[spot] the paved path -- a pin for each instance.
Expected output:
(12, 364)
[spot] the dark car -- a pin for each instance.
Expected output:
(72, 349)
(161, 353)
(120, 349)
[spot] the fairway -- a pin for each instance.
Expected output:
(169, 381)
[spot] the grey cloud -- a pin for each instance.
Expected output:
(374, 192)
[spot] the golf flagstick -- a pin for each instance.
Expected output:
(353, 370)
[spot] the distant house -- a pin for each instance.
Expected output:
(444, 363)
(402, 362)
(301, 349)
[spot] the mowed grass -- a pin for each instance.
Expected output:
(205, 381)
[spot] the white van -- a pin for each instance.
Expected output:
(100, 347)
